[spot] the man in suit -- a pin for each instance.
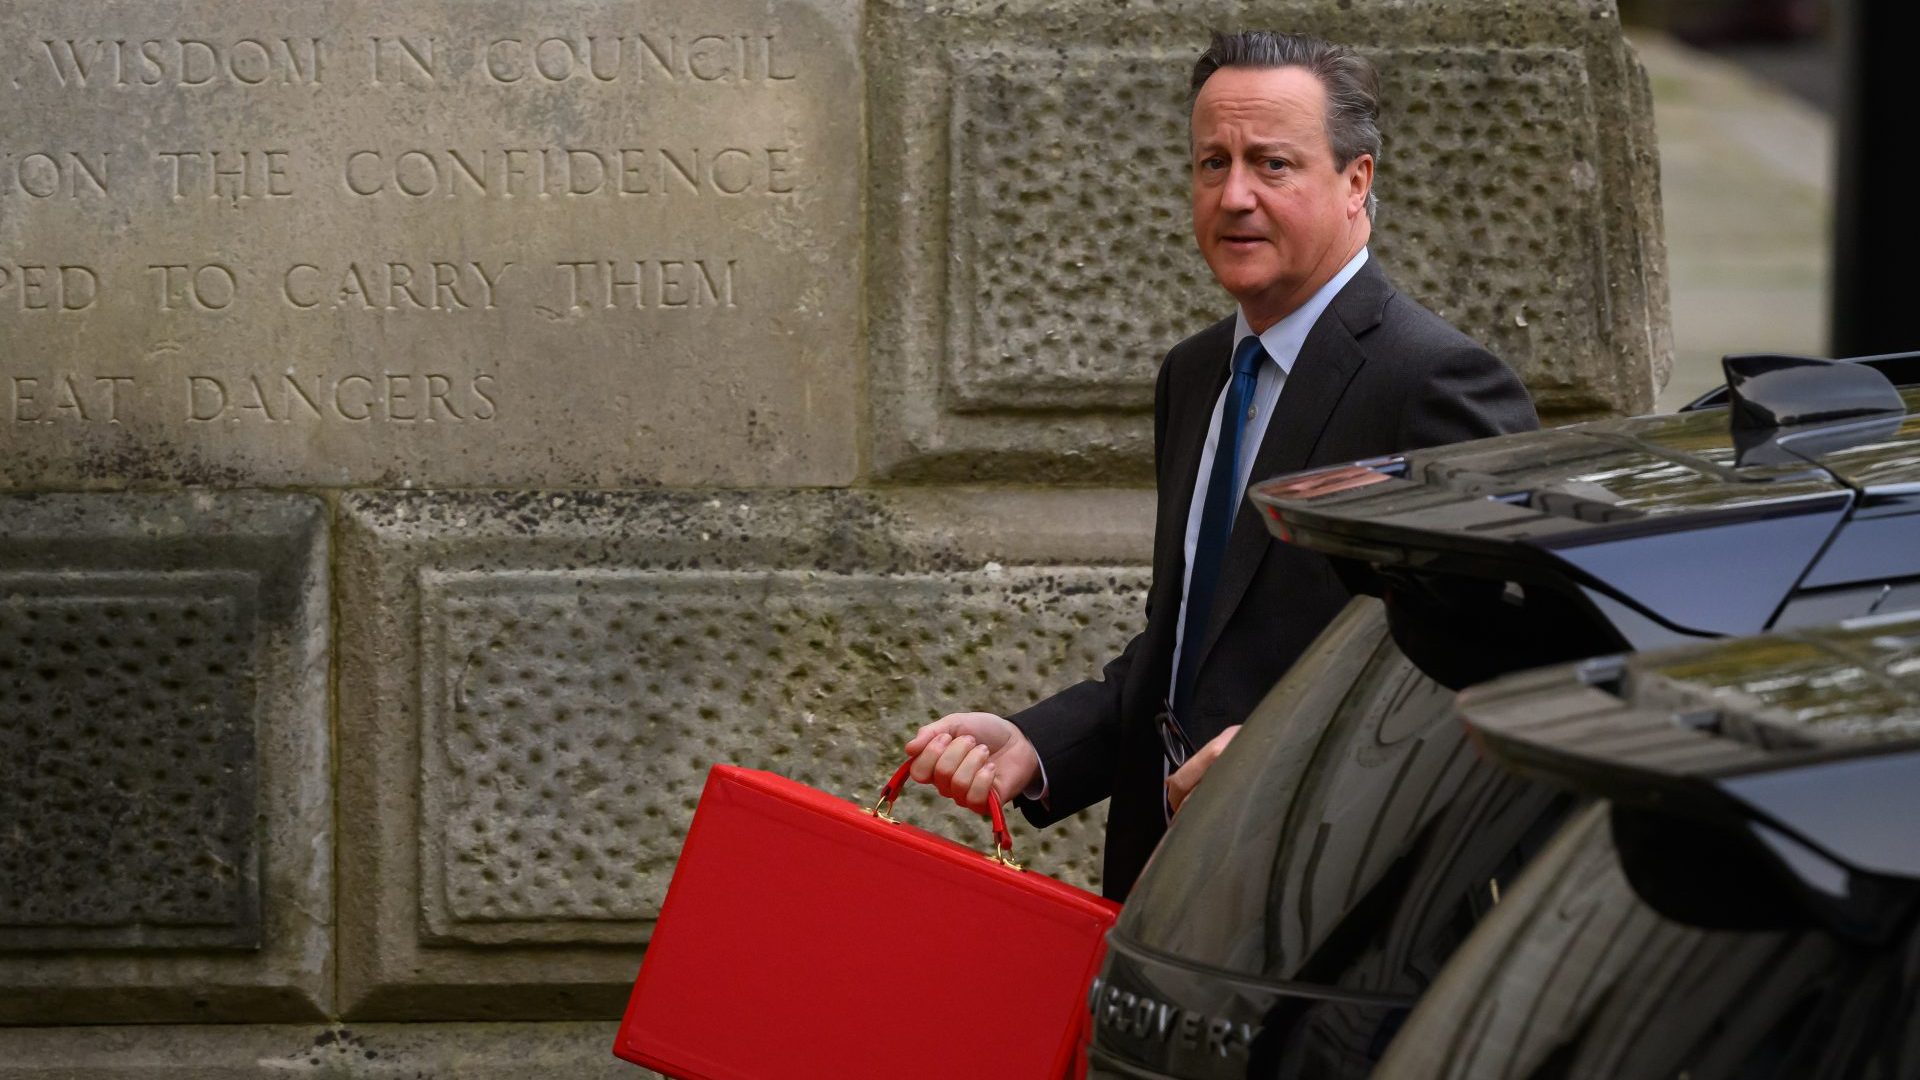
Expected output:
(1324, 362)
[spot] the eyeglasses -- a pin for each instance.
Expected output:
(1173, 737)
(1177, 748)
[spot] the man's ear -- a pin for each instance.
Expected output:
(1359, 182)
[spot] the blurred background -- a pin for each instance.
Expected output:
(1747, 95)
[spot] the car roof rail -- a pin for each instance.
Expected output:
(1900, 369)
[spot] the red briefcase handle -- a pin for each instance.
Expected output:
(1002, 839)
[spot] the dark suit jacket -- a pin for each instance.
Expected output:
(1378, 373)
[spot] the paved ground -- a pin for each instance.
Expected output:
(1746, 173)
(1809, 67)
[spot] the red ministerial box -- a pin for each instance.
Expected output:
(804, 937)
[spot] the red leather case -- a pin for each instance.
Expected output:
(803, 937)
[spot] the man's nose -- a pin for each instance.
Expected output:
(1238, 193)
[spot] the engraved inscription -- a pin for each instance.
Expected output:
(181, 62)
(390, 397)
(203, 287)
(550, 171)
(404, 397)
(534, 57)
(232, 175)
(47, 399)
(54, 174)
(401, 59)
(430, 285)
(66, 287)
(702, 58)
(339, 243)
(650, 283)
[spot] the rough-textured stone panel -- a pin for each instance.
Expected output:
(1477, 166)
(1491, 211)
(127, 761)
(574, 714)
(575, 1051)
(164, 758)
(351, 242)
(1022, 310)
(534, 684)
(1043, 315)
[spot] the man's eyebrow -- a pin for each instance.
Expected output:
(1271, 148)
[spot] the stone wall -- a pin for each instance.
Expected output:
(432, 433)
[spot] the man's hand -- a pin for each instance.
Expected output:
(964, 754)
(1187, 777)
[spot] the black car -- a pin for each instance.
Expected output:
(1351, 839)
(1745, 903)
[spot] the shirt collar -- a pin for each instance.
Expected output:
(1283, 339)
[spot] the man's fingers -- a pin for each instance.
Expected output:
(952, 752)
(1216, 744)
(950, 759)
(962, 780)
(1180, 784)
(928, 757)
(982, 784)
(1187, 777)
(927, 733)
(1189, 774)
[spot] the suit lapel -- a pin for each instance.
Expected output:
(1195, 416)
(1328, 361)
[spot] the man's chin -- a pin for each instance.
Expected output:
(1242, 283)
(1250, 268)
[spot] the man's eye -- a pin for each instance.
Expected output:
(1213, 163)
(1274, 164)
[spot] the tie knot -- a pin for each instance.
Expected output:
(1248, 354)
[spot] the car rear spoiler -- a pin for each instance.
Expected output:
(1723, 798)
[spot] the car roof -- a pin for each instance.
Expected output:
(1888, 460)
(1677, 463)
(1702, 527)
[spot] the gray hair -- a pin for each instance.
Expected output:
(1352, 84)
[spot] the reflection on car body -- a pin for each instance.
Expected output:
(1350, 840)
(1743, 906)
(1362, 841)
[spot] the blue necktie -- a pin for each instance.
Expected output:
(1216, 517)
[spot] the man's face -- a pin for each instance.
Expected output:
(1273, 217)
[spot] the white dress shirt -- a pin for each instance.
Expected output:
(1282, 341)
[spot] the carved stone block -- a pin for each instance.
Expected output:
(533, 687)
(1044, 316)
(1494, 214)
(339, 243)
(164, 758)
(1032, 248)
(127, 761)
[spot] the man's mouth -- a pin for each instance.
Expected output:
(1240, 241)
